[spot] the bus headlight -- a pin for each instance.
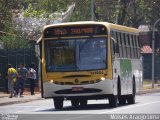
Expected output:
(51, 81)
(102, 78)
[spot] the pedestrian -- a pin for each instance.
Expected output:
(23, 72)
(12, 77)
(32, 78)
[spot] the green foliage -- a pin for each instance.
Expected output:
(127, 12)
(44, 8)
(13, 39)
(82, 11)
(5, 15)
(31, 12)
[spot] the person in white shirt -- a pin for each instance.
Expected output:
(32, 78)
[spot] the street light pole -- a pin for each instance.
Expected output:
(153, 51)
(92, 10)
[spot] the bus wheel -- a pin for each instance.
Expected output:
(113, 101)
(75, 103)
(58, 103)
(83, 102)
(122, 100)
(131, 98)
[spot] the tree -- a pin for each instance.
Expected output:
(124, 12)
(5, 14)
(82, 10)
(13, 40)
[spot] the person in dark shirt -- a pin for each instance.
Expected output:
(23, 72)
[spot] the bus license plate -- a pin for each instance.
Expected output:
(77, 88)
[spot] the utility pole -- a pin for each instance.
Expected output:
(153, 51)
(92, 10)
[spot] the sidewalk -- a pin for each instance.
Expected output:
(148, 89)
(4, 100)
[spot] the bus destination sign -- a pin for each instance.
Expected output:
(75, 31)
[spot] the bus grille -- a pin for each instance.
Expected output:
(80, 83)
(85, 90)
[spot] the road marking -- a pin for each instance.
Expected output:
(127, 107)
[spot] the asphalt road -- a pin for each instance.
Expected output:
(96, 109)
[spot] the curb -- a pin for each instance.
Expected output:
(148, 91)
(20, 101)
(4, 96)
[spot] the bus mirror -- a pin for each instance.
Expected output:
(115, 45)
(37, 51)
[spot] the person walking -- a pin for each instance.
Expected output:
(23, 72)
(12, 77)
(32, 78)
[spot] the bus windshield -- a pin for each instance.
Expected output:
(76, 54)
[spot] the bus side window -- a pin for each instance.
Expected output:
(137, 46)
(123, 46)
(132, 45)
(128, 46)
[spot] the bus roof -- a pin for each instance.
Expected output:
(110, 26)
(107, 24)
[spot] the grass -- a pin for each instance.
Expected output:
(147, 84)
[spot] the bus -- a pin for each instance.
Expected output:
(90, 60)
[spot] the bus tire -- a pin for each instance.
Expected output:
(58, 103)
(113, 101)
(83, 102)
(75, 103)
(131, 98)
(121, 99)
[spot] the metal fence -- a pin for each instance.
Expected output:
(147, 67)
(15, 57)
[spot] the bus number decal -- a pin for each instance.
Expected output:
(97, 72)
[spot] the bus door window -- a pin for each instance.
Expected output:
(120, 44)
(113, 45)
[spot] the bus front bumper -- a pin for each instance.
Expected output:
(104, 87)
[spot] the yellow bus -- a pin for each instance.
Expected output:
(82, 61)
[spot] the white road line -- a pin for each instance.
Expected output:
(128, 107)
(105, 112)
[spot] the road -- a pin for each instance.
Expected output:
(145, 104)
